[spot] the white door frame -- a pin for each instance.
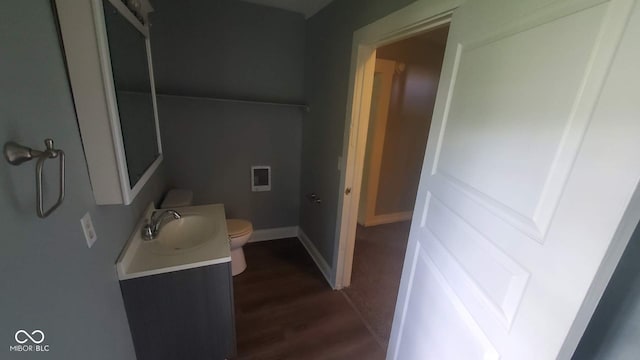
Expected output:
(376, 134)
(416, 18)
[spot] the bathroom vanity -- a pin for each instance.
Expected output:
(178, 288)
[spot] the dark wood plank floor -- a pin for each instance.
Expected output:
(375, 278)
(286, 310)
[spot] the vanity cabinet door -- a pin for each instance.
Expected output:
(185, 314)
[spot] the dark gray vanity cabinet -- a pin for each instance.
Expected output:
(185, 314)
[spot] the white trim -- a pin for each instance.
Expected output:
(388, 218)
(295, 232)
(128, 192)
(374, 146)
(127, 14)
(322, 265)
(110, 98)
(413, 19)
(87, 53)
(153, 97)
(131, 194)
(274, 234)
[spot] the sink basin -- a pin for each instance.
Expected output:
(198, 238)
(184, 234)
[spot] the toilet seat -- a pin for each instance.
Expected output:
(240, 232)
(238, 227)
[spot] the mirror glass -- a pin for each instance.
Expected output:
(130, 67)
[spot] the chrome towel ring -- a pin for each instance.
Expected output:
(17, 154)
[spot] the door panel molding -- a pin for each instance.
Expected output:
(535, 219)
(540, 258)
(445, 231)
(453, 315)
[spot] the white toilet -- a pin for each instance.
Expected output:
(239, 230)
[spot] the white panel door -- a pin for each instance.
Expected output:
(531, 163)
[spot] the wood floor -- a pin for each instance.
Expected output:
(375, 278)
(286, 310)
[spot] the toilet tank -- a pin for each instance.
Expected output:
(177, 198)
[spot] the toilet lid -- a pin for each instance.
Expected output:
(238, 227)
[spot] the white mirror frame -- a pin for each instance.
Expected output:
(86, 46)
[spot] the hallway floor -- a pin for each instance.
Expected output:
(377, 267)
(286, 310)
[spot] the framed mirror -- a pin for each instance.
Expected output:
(108, 54)
(130, 68)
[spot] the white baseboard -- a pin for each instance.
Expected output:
(387, 218)
(274, 234)
(295, 231)
(325, 269)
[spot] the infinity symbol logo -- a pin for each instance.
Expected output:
(34, 332)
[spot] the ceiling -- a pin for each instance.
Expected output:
(305, 7)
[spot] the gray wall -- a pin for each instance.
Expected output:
(614, 329)
(210, 147)
(327, 62)
(231, 49)
(50, 280)
(227, 48)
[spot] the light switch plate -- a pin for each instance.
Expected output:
(89, 231)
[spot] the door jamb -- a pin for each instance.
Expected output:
(375, 144)
(419, 17)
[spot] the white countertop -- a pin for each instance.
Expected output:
(137, 259)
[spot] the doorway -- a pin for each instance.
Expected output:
(404, 88)
(369, 40)
(444, 280)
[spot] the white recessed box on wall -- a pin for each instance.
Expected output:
(108, 55)
(261, 178)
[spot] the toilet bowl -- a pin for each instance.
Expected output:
(239, 230)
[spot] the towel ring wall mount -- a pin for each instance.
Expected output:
(17, 154)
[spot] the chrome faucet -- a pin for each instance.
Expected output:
(152, 228)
